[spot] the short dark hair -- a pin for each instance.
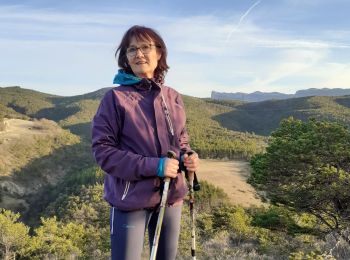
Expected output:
(143, 33)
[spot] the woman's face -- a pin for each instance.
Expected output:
(142, 57)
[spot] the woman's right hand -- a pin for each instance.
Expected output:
(171, 167)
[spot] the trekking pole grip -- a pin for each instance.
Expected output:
(172, 155)
(192, 176)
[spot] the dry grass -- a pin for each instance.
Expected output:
(23, 141)
(232, 177)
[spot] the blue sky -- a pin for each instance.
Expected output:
(67, 47)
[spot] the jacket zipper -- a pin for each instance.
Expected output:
(167, 114)
(126, 190)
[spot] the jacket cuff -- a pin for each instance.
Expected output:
(160, 169)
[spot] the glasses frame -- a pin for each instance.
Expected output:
(132, 55)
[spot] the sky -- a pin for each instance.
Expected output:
(67, 47)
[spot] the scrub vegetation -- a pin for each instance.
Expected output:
(300, 166)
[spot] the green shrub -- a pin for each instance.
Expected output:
(234, 219)
(209, 196)
(275, 218)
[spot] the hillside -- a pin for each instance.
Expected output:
(25, 169)
(211, 139)
(263, 117)
(218, 128)
(24, 101)
(75, 113)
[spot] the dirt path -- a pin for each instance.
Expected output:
(17, 128)
(232, 177)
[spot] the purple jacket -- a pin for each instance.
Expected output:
(130, 133)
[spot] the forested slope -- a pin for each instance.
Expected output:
(263, 117)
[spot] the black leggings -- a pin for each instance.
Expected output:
(128, 229)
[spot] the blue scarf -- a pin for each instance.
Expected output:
(123, 78)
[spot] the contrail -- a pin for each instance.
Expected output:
(241, 19)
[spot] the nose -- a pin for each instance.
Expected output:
(138, 52)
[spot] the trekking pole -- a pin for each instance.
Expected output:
(191, 178)
(163, 201)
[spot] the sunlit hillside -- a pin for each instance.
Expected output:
(263, 117)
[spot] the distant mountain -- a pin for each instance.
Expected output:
(258, 96)
(249, 97)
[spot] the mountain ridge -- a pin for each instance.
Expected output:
(258, 96)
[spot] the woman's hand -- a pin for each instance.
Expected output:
(171, 167)
(191, 162)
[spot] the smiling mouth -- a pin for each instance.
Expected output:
(141, 62)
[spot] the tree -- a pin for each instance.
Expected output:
(307, 168)
(13, 234)
(55, 240)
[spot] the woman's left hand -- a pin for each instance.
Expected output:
(191, 162)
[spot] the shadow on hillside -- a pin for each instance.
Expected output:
(42, 178)
(263, 117)
(57, 113)
(344, 101)
(82, 129)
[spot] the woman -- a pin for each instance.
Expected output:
(135, 126)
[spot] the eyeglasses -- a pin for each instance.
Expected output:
(144, 48)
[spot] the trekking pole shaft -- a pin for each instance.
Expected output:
(160, 219)
(161, 212)
(193, 226)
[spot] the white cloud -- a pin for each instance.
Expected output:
(46, 47)
(290, 63)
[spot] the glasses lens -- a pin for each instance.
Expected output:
(146, 48)
(131, 51)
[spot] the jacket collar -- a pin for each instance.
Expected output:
(123, 78)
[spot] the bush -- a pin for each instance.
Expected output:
(210, 196)
(275, 218)
(233, 219)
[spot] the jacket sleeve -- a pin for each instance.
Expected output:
(106, 132)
